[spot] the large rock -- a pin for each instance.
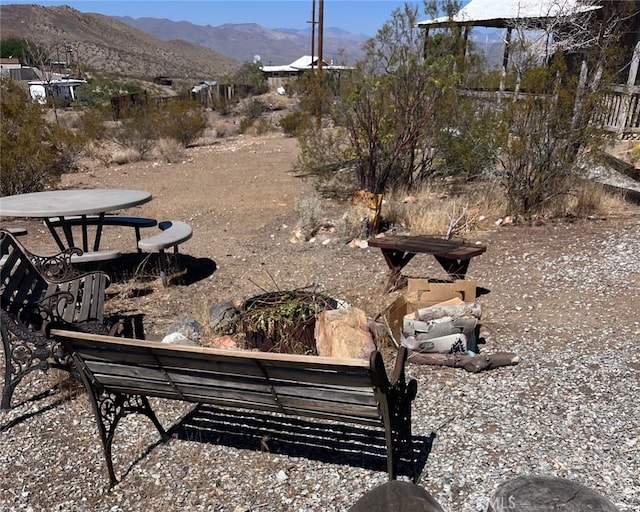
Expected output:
(343, 333)
(186, 330)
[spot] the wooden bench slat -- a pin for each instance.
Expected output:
(235, 366)
(114, 348)
(287, 392)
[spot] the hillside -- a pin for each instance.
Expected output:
(243, 41)
(103, 43)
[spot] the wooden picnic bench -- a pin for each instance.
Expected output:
(453, 255)
(36, 290)
(120, 374)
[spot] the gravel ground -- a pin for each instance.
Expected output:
(569, 409)
(564, 297)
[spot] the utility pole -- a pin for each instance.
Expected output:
(320, 35)
(319, 77)
(313, 31)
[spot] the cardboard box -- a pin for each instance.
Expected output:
(422, 293)
(427, 293)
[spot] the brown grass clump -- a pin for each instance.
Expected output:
(439, 209)
(125, 156)
(169, 150)
(592, 198)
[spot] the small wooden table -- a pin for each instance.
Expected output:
(453, 255)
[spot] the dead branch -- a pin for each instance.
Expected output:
(473, 364)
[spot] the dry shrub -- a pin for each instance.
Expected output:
(254, 127)
(436, 210)
(309, 212)
(591, 198)
(169, 150)
(125, 156)
(222, 129)
(353, 224)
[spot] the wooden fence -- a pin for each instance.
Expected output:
(621, 108)
(622, 112)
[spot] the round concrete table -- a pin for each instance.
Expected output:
(72, 202)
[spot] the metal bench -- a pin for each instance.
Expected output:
(36, 290)
(120, 374)
(174, 232)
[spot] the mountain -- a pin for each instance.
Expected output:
(243, 41)
(105, 45)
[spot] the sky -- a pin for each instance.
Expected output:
(354, 16)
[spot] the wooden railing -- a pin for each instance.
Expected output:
(622, 111)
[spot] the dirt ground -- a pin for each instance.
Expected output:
(239, 194)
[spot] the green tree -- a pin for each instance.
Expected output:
(29, 53)
(391, 109)
(251, 75)
(34, 153)
(183, 121)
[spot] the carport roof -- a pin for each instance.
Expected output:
(503, 13)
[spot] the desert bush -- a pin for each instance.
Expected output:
(34, 152)
(98, 91)
(251, 75)
(588, 198)
(252, 126)
(92, 123)
(253, 108)
(169, 150)
(182, 120)
(125, 156)
(309, 212)
(292, 124)
(137, 132)
(438, 209)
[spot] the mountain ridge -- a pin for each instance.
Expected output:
(107, 45)
(276, 46)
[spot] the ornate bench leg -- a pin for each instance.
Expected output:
(109, 409)
(400, 400)
(24, 352)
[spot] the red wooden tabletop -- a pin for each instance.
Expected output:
(458, 249)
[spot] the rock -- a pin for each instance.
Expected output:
(343, 333)
(533, 492)
(189, 327)
(222, 315)
(397, 496)
(226, 342)
(177, 338)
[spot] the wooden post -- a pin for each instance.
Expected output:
(621, 122)
(505, 59)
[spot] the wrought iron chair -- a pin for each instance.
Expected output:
(38, 290)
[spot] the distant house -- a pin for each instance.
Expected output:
(8, 64)
(279, 76)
